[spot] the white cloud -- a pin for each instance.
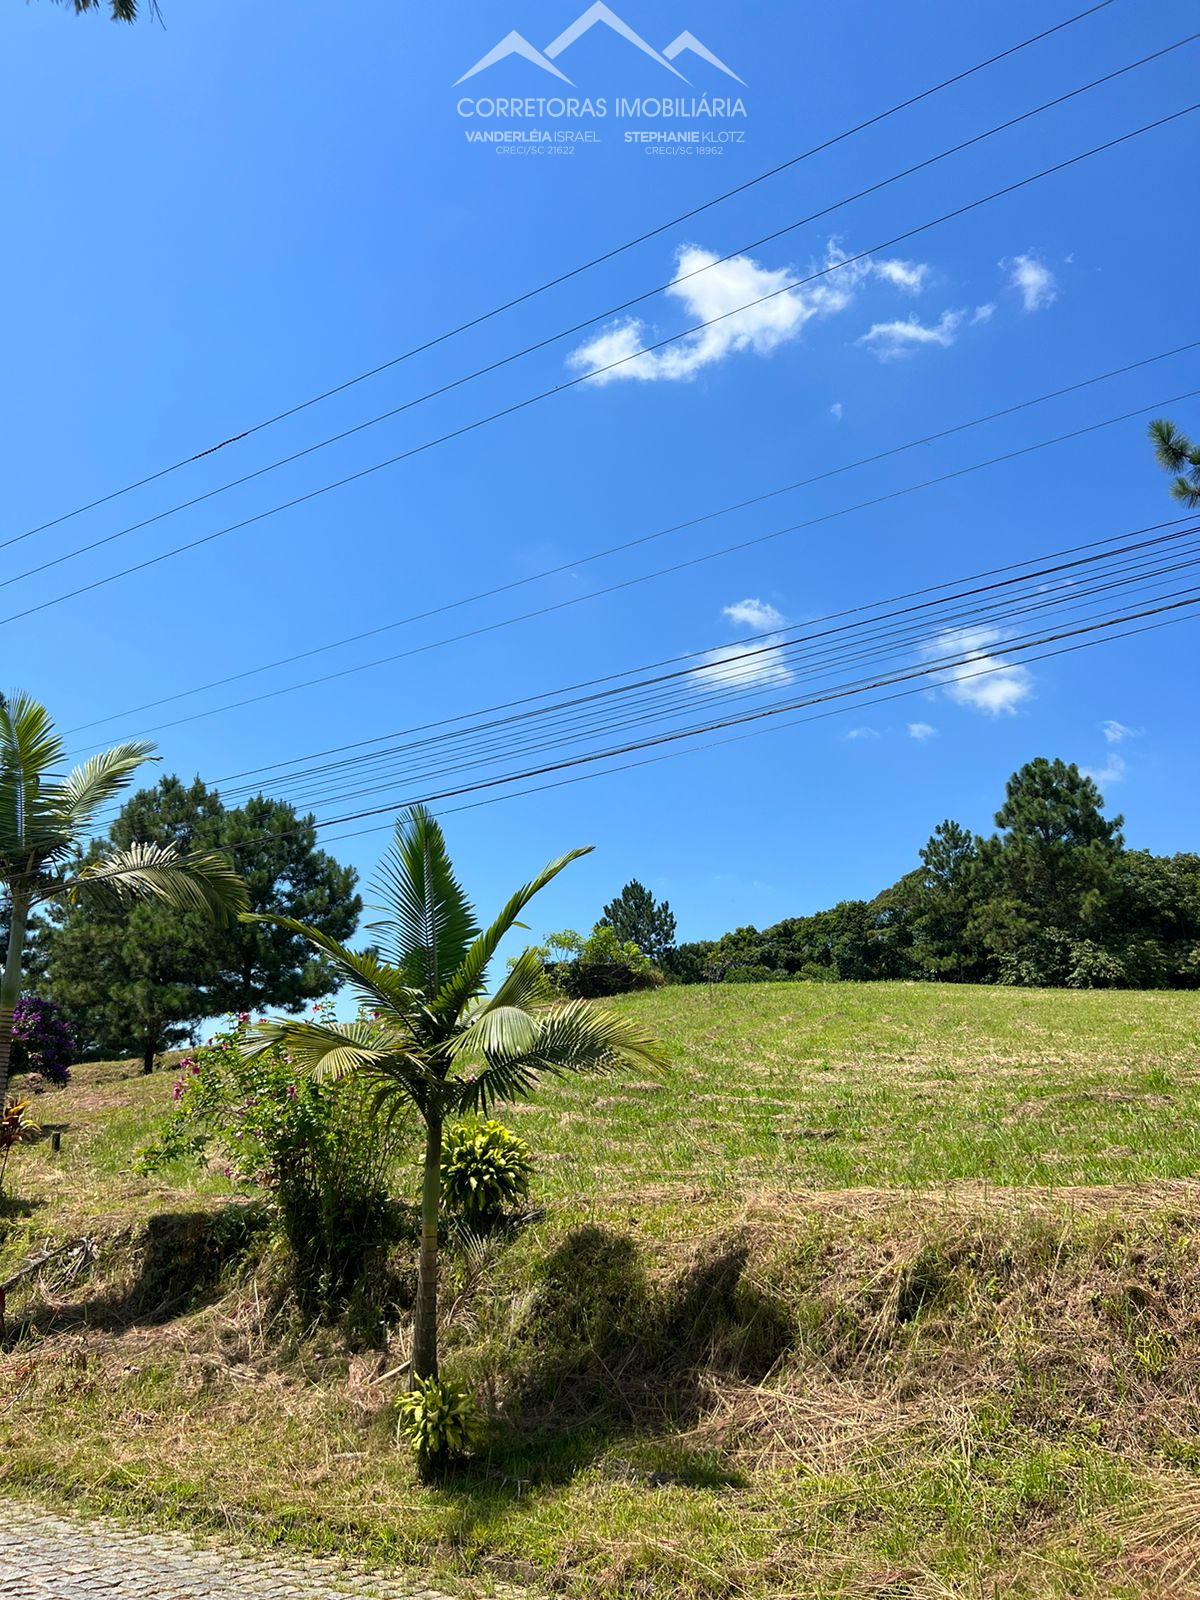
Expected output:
(1033, 279)
(747, 306)
(757, 615)
(891, 341)
(617, 343)
(1115, 732)
(983, 314)
(744, 666)
(907, 275)
(753, 663)
(835, 411)
(1113, 770)
(980, 679)
(861, 733)
(922, 730)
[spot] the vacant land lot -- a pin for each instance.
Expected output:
(877, 1290)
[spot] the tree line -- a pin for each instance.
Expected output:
(1053, 898)
(138, 979)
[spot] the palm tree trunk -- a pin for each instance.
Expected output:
(10, 986)
(425, 1340)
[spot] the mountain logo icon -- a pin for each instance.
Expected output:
(515, 44)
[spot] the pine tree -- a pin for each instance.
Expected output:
(945, 886)
(118, 10)
(141, 982)
(1176, 453)
(637, 916)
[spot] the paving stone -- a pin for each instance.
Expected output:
(48, 1557)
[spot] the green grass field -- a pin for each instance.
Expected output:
(876, 1290)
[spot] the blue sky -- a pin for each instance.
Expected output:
(208, 222)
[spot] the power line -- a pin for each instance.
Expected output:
(874, 639)
(629, 544)
(778, 648)
(577, 728)
(577, 327)
(1029, 579)
(679, 566)
(756, 733)
(835, 616)
(569, 383)
(924, 672)
(573, 272)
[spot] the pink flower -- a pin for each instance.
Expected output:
(243, 1016)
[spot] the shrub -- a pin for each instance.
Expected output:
(692, 963)
(42, 1040)
(485, 1172)
(1093, 967)
(312, 1145)
(439, 1422)
(15, 1128)
(601, 964)
(1053, 959)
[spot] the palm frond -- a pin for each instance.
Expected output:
(373, 1050)
(431, 922)
(468, 979)
(324, 1048)
(498, 1081)
(327, 1049)
(371, 979)
(29, 751)
(509, 1031)
(573, 1036)
(89, 786)
(201, 880)
(506, 1022)
(27, 736)
(396, 1093)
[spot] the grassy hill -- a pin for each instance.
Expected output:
(877, 1290)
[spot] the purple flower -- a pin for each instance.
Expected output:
(43, 1041)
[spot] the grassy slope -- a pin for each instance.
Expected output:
(802, 1318)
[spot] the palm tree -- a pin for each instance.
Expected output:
(430, 1037)
(43, 819)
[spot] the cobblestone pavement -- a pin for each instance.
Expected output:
(44, 1557)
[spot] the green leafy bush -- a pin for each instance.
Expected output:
(485, 1172)
(323, 1160)
(439, 1422)
(602, 964)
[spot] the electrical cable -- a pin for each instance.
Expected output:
(578, 327)
(574, 272)
(569, 383)
(629, 544)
